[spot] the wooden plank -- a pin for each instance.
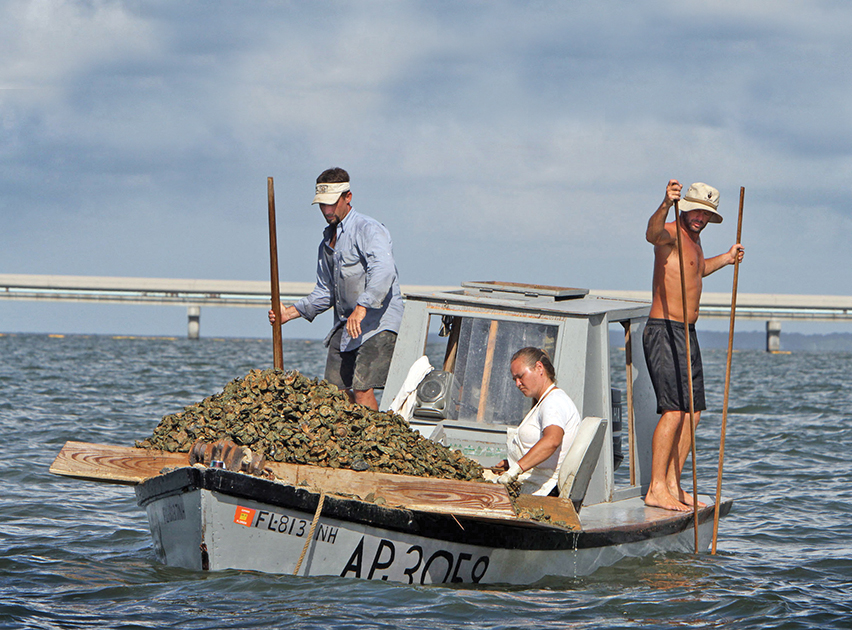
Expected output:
(554, 507)
(428, 494)
(113, 464)
(127, 465)
(462, 498)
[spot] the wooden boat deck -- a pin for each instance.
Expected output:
(629, 517)
(626, 518)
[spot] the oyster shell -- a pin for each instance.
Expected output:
(296, 419)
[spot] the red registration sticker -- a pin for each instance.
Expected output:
(244, 516)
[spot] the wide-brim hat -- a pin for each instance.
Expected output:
(328, 194)
(701, 197)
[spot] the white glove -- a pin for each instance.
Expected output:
(510, 475)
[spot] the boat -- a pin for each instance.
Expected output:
(313, 521)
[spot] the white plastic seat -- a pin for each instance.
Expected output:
(579, 463)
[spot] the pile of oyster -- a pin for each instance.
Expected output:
(291, 418)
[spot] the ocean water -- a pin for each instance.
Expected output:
(77, 554)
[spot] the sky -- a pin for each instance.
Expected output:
(516, 141)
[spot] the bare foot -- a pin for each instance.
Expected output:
(686, 498)
(665, 501)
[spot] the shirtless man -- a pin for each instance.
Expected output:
(664, 339)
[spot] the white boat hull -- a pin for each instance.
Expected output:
(207, 520)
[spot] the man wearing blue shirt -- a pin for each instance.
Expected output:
(357, 277)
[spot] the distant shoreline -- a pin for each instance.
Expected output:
(709, 340)
(756, 340)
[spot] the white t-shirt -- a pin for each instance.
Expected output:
(556, 408)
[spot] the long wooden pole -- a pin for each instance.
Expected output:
(688, 373)
(277, 349)
(728, 374)
(628, 352)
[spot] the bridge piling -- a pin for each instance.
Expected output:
(773, 335)
(193, 314)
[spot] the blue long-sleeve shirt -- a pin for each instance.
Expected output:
(359, 270)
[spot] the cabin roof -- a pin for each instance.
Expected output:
(534, 298)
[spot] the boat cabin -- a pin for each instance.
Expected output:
(469, 399)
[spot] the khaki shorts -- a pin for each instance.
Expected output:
(365, 367)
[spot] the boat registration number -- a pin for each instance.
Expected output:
(418, 565)
(283, 524)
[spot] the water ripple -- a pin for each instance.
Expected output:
(79, 555)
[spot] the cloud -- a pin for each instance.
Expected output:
(49, 43)
(518, 141)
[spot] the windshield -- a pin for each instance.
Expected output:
(479, 351)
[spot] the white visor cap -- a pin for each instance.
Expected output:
(329, 193)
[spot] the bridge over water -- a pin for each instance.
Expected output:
(193, 294)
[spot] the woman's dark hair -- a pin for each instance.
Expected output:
(530, 356)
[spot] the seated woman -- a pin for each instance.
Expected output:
(538, 446)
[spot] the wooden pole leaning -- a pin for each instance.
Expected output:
(628, 352)
(727, 375)
(277, 349)
(688, 374)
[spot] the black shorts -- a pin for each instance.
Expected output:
(665, 350)
(365, 367)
